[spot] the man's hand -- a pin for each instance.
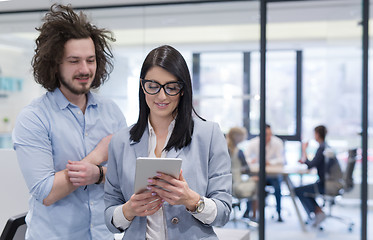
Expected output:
(82, 173)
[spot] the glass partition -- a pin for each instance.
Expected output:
(224, 38)
(329, 35)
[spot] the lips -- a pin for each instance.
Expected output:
(162, 105)
(82, 79)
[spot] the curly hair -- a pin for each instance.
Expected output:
(61, 24)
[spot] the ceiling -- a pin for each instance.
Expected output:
(36, 5)
(319, 20)
(14, 6)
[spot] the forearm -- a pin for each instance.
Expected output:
(60, 189)
(95, 158)
(100, 153)
(69, 179)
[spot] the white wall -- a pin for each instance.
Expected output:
(14, 193)
(15, 62)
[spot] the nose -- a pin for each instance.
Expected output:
(162, 94)
(84, 68)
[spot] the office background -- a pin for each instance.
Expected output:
(314, 64)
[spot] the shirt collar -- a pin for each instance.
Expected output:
(62, 101)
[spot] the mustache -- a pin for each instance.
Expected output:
(83, 75)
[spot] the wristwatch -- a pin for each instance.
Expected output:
(200, 205)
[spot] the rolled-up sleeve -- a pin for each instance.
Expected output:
(34, 153)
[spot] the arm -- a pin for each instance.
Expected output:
(303, 158)
(215, 176)
(78, 173)
(317, 159)
(179, 193)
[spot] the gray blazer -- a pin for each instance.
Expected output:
(206, 168)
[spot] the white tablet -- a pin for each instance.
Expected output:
(148, 167)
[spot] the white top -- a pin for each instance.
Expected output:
(274, 151)
(156, 227)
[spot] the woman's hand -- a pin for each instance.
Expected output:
(174, 191)
(142, 204)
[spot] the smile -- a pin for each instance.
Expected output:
(162, 105)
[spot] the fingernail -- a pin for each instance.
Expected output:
(153, 194)
(149, 188)
(159, 174)
(150, 180)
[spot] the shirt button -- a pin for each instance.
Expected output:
(86, 134)
(79, 112)
(175, 220)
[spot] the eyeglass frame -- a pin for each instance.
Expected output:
(143, 81)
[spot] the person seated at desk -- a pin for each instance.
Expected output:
(241, 188)
(307, 193)
(274, 157)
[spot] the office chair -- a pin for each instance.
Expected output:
(330, 199)
(15, 228)
(236, 206)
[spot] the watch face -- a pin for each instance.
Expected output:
(201, 206)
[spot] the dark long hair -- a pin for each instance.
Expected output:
(173, 62)
(61, 24)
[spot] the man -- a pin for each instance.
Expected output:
(274, 157)
(61, 139)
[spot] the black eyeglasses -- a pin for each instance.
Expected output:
(152, 87)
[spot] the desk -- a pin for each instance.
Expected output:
(285, 171)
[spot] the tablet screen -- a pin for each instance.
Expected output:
(148, 167)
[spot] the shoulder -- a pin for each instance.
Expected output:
(277, 140)
(34, 120)
(35, 110)
(104, 101)
(121, 136)
(207, 132)
(203, 127)
(321, 148)
(253, 141)
(107, 106)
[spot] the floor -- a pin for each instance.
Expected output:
(290, 229)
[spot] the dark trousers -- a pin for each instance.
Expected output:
(276, 183)
(307, 194)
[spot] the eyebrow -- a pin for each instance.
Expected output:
(76, 57)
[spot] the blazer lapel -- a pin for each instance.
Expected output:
(141, 148)
(173, 153)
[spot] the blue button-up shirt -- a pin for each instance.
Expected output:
(48, 133)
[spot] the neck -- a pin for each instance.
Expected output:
(79, 100)
(160, 126)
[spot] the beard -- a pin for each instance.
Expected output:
(77, 90)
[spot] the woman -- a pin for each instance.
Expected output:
(307, 193)
(241, 188)
(186, 207)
